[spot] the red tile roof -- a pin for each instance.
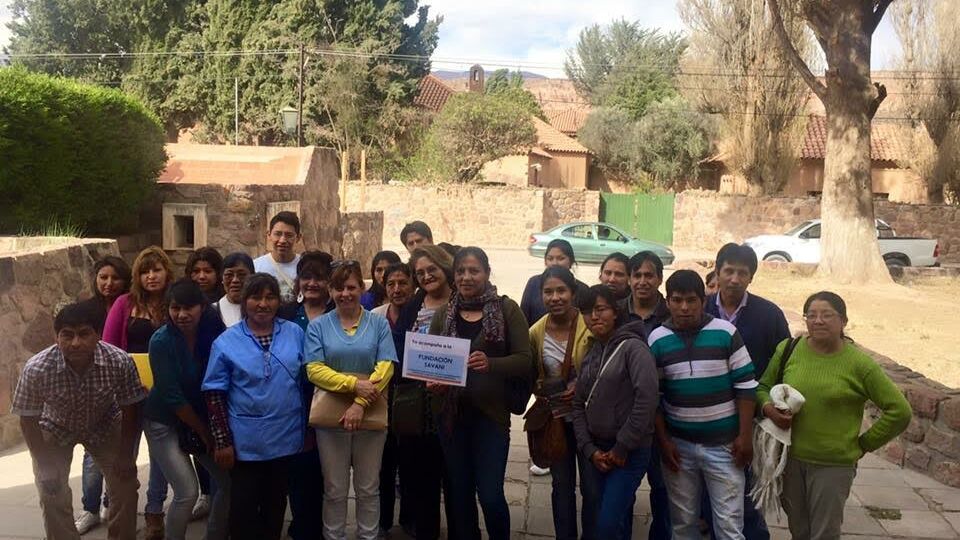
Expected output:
(551, 139)
(432, 93)
(236, 165)
(886, 141)
(569, 121)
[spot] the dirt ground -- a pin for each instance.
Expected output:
(916, 325)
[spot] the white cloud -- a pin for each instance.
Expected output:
(536, 34)
(5, 17)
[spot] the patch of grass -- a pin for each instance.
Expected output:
(884, 513)
(53, 228)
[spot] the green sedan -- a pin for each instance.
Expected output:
(592, 242)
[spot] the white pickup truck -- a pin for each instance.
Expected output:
(802, 244)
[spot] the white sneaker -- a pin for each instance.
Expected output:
(537, 471)
(86, 522)
(202, 508)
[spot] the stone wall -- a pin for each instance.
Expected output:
(931, 443)
(489, 216)
(362, 234)
(707, 220)
(38, 276)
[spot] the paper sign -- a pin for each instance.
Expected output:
(438, 359)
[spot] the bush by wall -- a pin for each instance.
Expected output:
(73, 153)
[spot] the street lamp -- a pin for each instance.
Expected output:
(288, 115)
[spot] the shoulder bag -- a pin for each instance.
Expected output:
(546, 434)
(327, 409)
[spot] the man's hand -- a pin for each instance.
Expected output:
(615, 461)
(782, 419)
(478, 361)
(669, 454)
(599, 460)
(225, 457)
(437, 388)
(743, 450)
(352, 417)
(367, 391)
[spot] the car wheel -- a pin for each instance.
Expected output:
(776, 257)
(895, 262)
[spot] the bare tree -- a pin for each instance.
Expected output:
(930, 40)
(753, 87)
(844, 29)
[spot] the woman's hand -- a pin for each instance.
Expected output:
(367, 391)
(352, 418)
(478, 361)
(782, 419)
(567, 395)
(600, 461)
(224, 457)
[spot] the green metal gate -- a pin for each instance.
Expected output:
(641, 215)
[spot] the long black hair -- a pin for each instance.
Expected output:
(377, 289)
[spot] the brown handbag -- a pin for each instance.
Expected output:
(327, 409)
(546, 434)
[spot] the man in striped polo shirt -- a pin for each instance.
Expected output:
(704, 425)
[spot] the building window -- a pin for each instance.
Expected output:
(184, 226)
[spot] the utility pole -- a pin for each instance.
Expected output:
(300, 100)
(236, 111)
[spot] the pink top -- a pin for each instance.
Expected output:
(115, 327)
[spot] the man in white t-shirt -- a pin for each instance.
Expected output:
(281, 261)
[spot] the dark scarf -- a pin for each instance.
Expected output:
(494, 332)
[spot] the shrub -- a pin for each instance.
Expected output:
(74, 153)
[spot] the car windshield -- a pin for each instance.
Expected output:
(797, 229)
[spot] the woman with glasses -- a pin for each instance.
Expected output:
(377, 294)
(474, 421)
(419, 457)
(350, 351)
(306, 475)
(614, 406)
(237, 267)
(252, 391)
(836, 378)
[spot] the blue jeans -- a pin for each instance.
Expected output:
(715, 467)
(178, 468)
(476, 459)
(611, 495)
(659, 500)
(91, 480)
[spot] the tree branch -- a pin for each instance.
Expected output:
(881, 95)
(799, 64)
(882, 6)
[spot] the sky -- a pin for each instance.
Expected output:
(535, 34)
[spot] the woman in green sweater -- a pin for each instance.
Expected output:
(837, 379)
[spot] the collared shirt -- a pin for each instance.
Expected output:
(262, 387)
(659, 314)
(723, 312)
(78, 408)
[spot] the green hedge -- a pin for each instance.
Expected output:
(73, 153)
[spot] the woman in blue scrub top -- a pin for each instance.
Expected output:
(252, 389)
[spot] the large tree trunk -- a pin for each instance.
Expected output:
(849, 252)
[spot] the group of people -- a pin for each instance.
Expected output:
(277, 381)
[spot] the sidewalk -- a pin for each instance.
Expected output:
(886, 502)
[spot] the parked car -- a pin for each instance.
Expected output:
(592, 242)
(802, 244)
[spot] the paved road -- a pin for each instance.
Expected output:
(925, 508)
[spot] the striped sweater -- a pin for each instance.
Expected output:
(702, 374)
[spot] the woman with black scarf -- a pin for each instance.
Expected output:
(474, 421)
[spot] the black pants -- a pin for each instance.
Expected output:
(421, 460)
(258, 499)
(389, 468)
(306, 496)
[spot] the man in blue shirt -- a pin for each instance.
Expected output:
(762, 326)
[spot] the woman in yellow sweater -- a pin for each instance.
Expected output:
(350, 350)
(560, 331)
(836, 378)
